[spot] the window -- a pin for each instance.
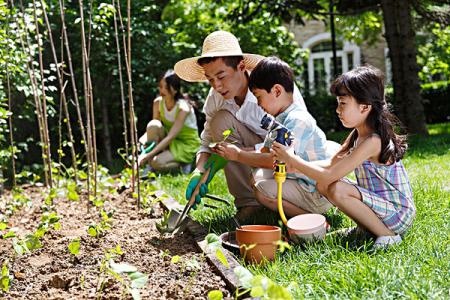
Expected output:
(320, 64)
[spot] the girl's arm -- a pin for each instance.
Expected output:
(176, 128)
(156, 103)
(371, 147)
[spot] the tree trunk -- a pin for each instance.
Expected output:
(400, 37)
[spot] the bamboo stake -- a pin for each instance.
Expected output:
(87, 99)
(72, 76)
(91, 105)
(63, 101)
(10, 121)
(133, 131)
(44, 103)
(31, 74)
(122, 96)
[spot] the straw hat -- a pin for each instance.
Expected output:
(216, 44)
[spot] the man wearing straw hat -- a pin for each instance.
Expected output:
(229, 105)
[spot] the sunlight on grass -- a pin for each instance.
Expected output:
(335, 268)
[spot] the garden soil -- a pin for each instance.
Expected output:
(52, 272)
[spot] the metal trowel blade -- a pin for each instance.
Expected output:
(172, 222)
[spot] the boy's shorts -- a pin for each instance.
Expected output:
(293, 192)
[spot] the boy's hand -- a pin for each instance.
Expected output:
(227, 151)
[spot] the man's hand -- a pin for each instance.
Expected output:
(227, 151)
(193, 182)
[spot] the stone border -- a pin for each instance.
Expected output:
(199, 233)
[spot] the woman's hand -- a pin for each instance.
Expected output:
(227, 151)
(283, 153)
(144, 158)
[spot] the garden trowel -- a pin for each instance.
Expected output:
(176, 220)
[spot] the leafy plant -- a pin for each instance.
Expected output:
(5, 278)
(74, 246)
(162, 226)
(259, 286)
(135, 280)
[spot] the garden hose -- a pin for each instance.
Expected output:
(280, 178)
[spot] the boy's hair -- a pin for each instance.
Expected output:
(366, 85)
(270, 71)
(230, 61)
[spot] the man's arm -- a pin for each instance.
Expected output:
(251, 158)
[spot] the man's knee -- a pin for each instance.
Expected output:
(220, 122)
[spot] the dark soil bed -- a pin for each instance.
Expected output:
(52, 272)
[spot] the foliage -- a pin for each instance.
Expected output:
(5, 278)
(433, 53)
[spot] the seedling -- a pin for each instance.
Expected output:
(162, 226)
(133, 281)
(5, 278)
(74, 246)
(225, 134)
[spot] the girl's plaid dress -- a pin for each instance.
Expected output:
(386, 190)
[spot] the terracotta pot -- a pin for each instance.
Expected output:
(263, 236)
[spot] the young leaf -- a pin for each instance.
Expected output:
(18, 247)
(221, 257)
(215, 295)
(92, 230)
(135, 294)
(74, 246)
(282, 245)
(175, 259)
(122, 267)
(257, 292)
(138, 280)
(9, 234)
(211, 238)
(32, 242)
(244, 276)
(3, 225)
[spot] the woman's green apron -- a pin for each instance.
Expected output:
(185, 145)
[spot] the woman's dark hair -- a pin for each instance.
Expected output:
(366, 85)
(172, 80)
(270, 71)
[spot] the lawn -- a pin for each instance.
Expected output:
(339, 268)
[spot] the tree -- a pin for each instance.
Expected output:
(399, 33)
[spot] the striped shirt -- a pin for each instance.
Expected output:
(310, 140)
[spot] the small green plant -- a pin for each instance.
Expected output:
(74, 246)
(99, 230)
(133, 281)
(163, 225)
(5, 278)
(225, 134)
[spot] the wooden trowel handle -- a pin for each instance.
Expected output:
(197, 188)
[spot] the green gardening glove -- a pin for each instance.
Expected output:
(215, 163)
(193, 182)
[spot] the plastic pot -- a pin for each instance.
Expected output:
(307, 228)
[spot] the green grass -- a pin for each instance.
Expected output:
(338, 268)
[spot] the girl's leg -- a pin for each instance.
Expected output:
(155, 132)
(348, 199)
(164, 161)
